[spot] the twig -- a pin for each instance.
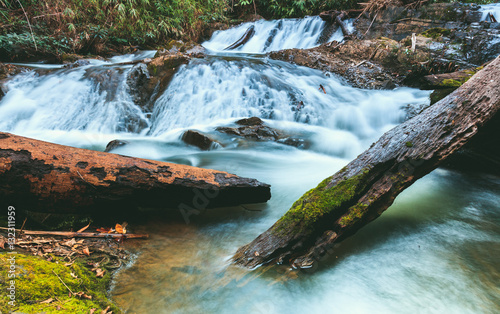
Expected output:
(63, 282)
(370, 24)
(29, 24)
(22, 227)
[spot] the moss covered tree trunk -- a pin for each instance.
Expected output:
(343, 203)
(46, 177)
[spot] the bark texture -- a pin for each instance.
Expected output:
(46, 177)
(343, 203)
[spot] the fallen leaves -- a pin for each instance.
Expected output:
(86, 251)
(49, 300)
(82, 295)
(99, 273)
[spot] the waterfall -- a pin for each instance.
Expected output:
(493, 9)
(277, 35)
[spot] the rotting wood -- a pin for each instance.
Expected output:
(45, 177)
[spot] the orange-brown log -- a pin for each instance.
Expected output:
(46, 177)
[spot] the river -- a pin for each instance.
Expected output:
(435, 250)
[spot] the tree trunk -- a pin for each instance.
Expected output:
(343, 203)
(243, 40)
(46, 177)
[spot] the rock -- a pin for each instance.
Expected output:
(250, 121)
(472, 16)
(173, 47)
(114, 144)
(256, 132)
(76, 64)
(200, 140)
(141, 87)
(295, 142)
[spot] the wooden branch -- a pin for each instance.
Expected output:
(70, 234)
(345, 202)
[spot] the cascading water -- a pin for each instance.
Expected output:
(434, 250)
(493, 9)
(276, 35)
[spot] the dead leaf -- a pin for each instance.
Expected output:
(105, 311)
(73, 275)
(69, 264)
(121, 228)
(103, 230)
(99, 272)
(82, 295)
(86, 251)
(92, 311)
(84, 228)
(49, 300)
(2, 243)
(69, 243)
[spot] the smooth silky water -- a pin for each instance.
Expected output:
(435, 250)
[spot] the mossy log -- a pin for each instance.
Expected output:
(343, 203)
(449, 80)
(46, 177)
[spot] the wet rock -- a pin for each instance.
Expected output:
(198, 139)
(256, 132)
(107, 80)
(473, 16)
(141, 87)
(295, 142)
(250, 121)
(114, 144)
(173, 47)
(77, 64)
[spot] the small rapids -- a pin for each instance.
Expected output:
(435, 250)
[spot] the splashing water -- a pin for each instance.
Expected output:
(493, 9)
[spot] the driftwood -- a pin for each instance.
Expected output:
(82, 234)
(343, 203)
(336, 17)
(243, 40)
(46, 177)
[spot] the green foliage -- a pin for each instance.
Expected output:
(297, 8)
(97, 22)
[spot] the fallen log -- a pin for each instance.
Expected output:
(448, 80)
(357, 194)
(46, 177)
(243, 40)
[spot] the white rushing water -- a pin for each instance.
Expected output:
(493, 9)
(435, 250)
(276, 35)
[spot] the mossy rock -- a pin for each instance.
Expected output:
(36, 281)
(436, 32)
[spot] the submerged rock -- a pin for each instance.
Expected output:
(114, 144)
(200, 140)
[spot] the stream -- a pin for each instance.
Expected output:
(435, 250)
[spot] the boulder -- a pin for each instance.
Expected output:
(198, 139)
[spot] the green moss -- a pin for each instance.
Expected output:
(451, 83)
(35, 282)
(409, 144)
(355, 213)
(439, 94)
(320, 201)
(436, 32)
